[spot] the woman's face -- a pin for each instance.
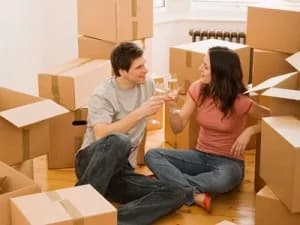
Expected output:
(204, 68)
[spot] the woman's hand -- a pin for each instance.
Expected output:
(171, 98)
(241, 143)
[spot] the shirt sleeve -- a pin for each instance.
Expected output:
(194, 91)
(243, 104)
(100, 110)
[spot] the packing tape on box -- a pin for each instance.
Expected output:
(117, 19)
(134, 19)
(188, 59)
(133, 8)
(134, 30)
(78, 114)
(73, 212)
(25, 143)
(55, 89)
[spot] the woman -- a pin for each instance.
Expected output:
(216, 165)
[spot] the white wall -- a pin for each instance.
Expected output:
(39, 34)
(35, 35)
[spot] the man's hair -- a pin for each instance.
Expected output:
(226, 78)
(123, 56)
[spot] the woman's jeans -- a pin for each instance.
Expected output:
(196, 171)
(104, 164)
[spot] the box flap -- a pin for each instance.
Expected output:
(294, 60)
(32, 113)
(273, 81)
(203, 46)
(282, 93)
(266, 192)
(287, 126)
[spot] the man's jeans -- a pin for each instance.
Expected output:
(196, 171)
(104, 164)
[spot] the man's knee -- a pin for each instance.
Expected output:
(120, 143)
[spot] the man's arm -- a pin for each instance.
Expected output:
(130, 120)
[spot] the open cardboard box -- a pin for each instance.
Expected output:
(24, 127)
(66, 136)
(280, 158)
(283, 91)
(16, 184)
(270, 210)
(75, 205)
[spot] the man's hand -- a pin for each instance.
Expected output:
(151, 106)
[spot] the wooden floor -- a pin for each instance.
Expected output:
(237, 206)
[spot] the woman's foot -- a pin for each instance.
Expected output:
(203, 200)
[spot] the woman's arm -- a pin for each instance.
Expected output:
(257, 111)
(179, 118)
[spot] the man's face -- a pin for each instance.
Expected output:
(137, 72)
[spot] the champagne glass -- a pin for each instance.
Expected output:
(160, 89)
(173, 86)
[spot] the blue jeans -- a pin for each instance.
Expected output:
(195, 171)
(104, 164)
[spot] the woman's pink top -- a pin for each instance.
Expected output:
(217, 133)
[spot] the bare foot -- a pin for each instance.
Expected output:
(198, 199)
(203, 200)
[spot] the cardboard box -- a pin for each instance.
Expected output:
(187, 139)
(270, 210)
(274, 27)
(94, 48)
(66, 136)
(141, 151)
(259, 183)
(267, 64)
(283, 91)
(16, 184)
(186, 59)
(72, 83)
(115, 21)
(24, 125)
(280, 158)
(75, 205)
(25, 168)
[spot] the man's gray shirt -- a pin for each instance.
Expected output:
(109, 104)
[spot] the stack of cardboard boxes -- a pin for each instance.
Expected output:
(70, 85)
(55, 122)
(102, 25)
(25, 122)
(279, 151)
(273, 33)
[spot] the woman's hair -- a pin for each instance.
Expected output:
(123, 56)
(226, 79)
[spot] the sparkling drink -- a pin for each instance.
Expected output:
(173, 84)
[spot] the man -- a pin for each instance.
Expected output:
(117, 115)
